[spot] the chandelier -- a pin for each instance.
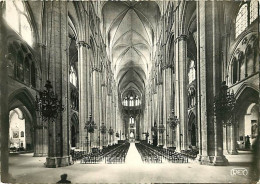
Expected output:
(90, 125)
(146, 134)
(224, 104)
(48, 104)
(103, 128)
(172, 120)
(154, 128)
(111, 131)
(161, 128)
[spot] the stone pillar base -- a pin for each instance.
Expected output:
(53, 162)
(220, 161)
(204, 160)
(40, 155)
(212, 160)
(8, 178)
(233, 152)
(178, 149)
(164, 145)
(225, 152)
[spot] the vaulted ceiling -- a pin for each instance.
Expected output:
(130, 29)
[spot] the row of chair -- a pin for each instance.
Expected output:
(162, 153)
(111, 154)
(97, 155)
(192, 154)
(172, 156)
(148, 154)
(117, 155)
(77, 155)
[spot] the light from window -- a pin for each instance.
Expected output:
(22, 133)
(192, 72)
(132, 121)
(73, 77)
(17, 18)
(241, 20)
(253, 10)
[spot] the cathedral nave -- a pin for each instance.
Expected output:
(129, 91)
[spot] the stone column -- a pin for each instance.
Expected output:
(113, 121)
(233, 150)
(41, 136)
(225, 143)
(153, 110)
(108, 117)
(101, 120)
(209, 79)
(164, 101)
(159, 113)
(149, 119)
(169, 99)
(4, 109)
(83, 96)
(96, 113)
(104, 96)
(182, 44)
(58, 152)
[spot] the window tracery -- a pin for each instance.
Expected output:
(241, 20)
(244, 62)
(21, 65)
(17, 18)
(247, 13)
(253, 10)
(131, 100)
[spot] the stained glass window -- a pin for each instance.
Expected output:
(253, 10)
(17, 18)
(241, 20)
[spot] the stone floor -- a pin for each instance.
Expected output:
(27, 169)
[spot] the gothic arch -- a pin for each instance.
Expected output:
(187, 9)
(74, 130)
(234, 47)
(32, 22)
(20, 45)
(243, 88)
(24, 100)
(171, 50)
(245, 96)
(23, 95)
(192, 129)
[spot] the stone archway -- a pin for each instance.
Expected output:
(192, 128)
(20, 132)
(73, 136)
(74, 131)
(247, 116)
(23, 100)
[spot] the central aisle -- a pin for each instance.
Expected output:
(133, 157)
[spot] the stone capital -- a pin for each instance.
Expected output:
(96, 69)
(167, 65)
(83, 44)
(42, 45)
(40, 127)
(159, 83)
(180, 38)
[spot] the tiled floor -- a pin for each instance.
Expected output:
(27, 169)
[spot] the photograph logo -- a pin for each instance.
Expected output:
(239, 172)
